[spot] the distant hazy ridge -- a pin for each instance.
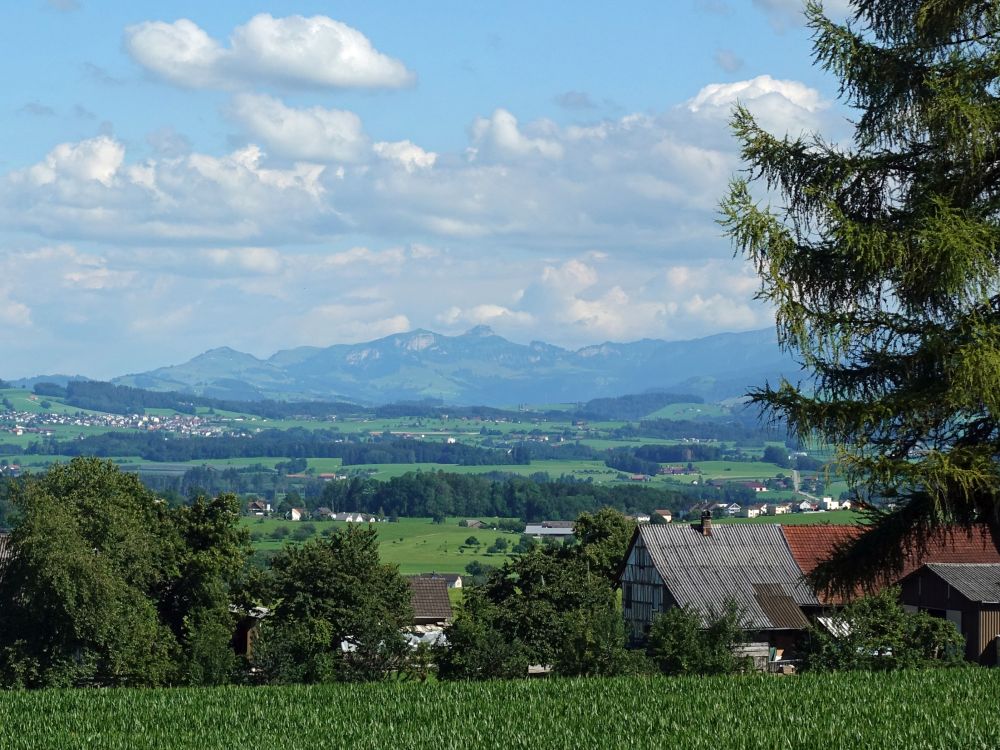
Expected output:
(482, 368)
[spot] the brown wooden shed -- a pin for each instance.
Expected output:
(968, 594)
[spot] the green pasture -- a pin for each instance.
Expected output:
(837, 517)
(949, 708)
(688, 411)
(416, 545)
(736, 470)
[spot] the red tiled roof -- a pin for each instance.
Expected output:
(812, 544)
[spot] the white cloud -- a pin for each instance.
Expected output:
(488, 314)
(249, 260)
(179, 52)
(311, 134)
(98, 278)
(406, 154)
(297, 51)
(85, 190)
(338, 323)
(779, 105)
(96, 159)
(639, 183)
(500, 135)
(13, 313)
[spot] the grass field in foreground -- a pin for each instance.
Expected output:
(933, 709)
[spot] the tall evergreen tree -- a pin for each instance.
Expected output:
(881, 259)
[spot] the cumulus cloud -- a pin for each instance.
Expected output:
(295, 51)
(779, 105)
(95, 159)
(156, 303)
(500, 135)
(311, 134)
(636, 183)
(488, 314)
(406, 154)
(86, 190)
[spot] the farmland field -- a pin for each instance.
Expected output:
(415, 544)
(932, 709)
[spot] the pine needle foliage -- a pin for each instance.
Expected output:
(882, 260)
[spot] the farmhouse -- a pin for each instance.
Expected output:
(549, 528)
(967, 594)
(429, 599)
(704, 568)
(452, 580)
(762, 569)
(258, 508)
(812, 543)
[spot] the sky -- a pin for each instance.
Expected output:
(263, 175)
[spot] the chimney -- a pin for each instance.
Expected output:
(706, 523)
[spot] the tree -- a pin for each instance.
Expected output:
(545, 607)
(878, 635)
(604, 537)
(681, 643)
(883, 264)
(107, 585)
(210, 553)
(338, 612)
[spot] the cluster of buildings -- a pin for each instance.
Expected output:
(43, 423)
(756, 510)
(763, 569)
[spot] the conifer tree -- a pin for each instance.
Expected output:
(880, 257)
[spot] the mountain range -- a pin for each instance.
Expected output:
(480, 367)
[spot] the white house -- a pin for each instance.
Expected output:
(828, 503)
(750, 512)
(778, 509)
(297, 514)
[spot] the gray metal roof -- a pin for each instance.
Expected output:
(977, 582)
(749, 564)
(538, 529)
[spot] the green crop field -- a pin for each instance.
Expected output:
(416, 545)
(933, 709)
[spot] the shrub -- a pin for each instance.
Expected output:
(877, 634)
(680, 643)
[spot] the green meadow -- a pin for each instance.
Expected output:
(416, 545)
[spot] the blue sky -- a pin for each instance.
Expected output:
(182, 175)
